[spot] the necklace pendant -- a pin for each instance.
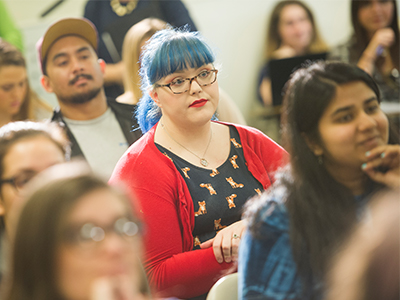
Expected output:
(203, 162)
(122, 10)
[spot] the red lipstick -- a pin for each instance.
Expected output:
(199, 103)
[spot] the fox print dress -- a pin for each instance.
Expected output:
(218, 194)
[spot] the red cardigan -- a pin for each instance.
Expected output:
(166, 207)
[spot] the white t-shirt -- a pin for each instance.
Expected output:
(101, 141)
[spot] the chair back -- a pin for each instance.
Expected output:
(225, 289)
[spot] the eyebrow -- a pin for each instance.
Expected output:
(62, 54)
(82, 49)
(346, 108)
(196, 69)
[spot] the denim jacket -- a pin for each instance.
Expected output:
(266, 266)
(267, 269)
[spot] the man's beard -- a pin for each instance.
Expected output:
(83, 97)
(80, 98)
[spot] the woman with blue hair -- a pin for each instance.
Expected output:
(191, 175)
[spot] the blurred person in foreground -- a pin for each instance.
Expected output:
(367, 265)
(26, 149)
(76, 239)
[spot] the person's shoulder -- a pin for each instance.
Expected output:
(255, 137)
(143, 156)
(57, 115)
(339, 47)
(264, 71)
(121, 109)
(244, 129)
(249, 130)
(141, 150)
(114, 103)
(171, 6)
(268, 212)
(143, 165)
(341, 50)
(274, 212)
(137, 159)
(90, 8)
(257, 142)
(93, 3)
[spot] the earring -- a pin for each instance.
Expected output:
(320, 161)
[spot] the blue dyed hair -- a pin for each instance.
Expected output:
(168, 50)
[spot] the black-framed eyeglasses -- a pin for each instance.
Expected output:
(19, 181)
(89, 236)
(181, 85)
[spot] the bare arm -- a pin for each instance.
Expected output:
(266, 92)
(381, 40)
(114, 73)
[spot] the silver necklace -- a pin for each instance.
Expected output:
(203, 161)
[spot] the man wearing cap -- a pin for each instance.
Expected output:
(100, 129)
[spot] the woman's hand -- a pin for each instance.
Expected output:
(383, 165)
(382, 39)
(226, 242)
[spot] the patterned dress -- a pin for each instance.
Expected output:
(218, 194)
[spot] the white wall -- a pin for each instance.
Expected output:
(236, 28)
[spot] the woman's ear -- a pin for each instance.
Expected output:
(314, 146)
(154, 95)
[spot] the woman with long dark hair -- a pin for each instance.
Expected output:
(337, 137)
(374, 45)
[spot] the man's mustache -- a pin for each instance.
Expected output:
(76, 78)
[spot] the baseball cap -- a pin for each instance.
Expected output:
(69, 26)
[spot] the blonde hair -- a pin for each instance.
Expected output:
(135, 36)
(274, 40)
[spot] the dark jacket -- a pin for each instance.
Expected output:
(124, 114)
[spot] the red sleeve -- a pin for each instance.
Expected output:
(272, 155)
(171, 271)
(263, 155)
